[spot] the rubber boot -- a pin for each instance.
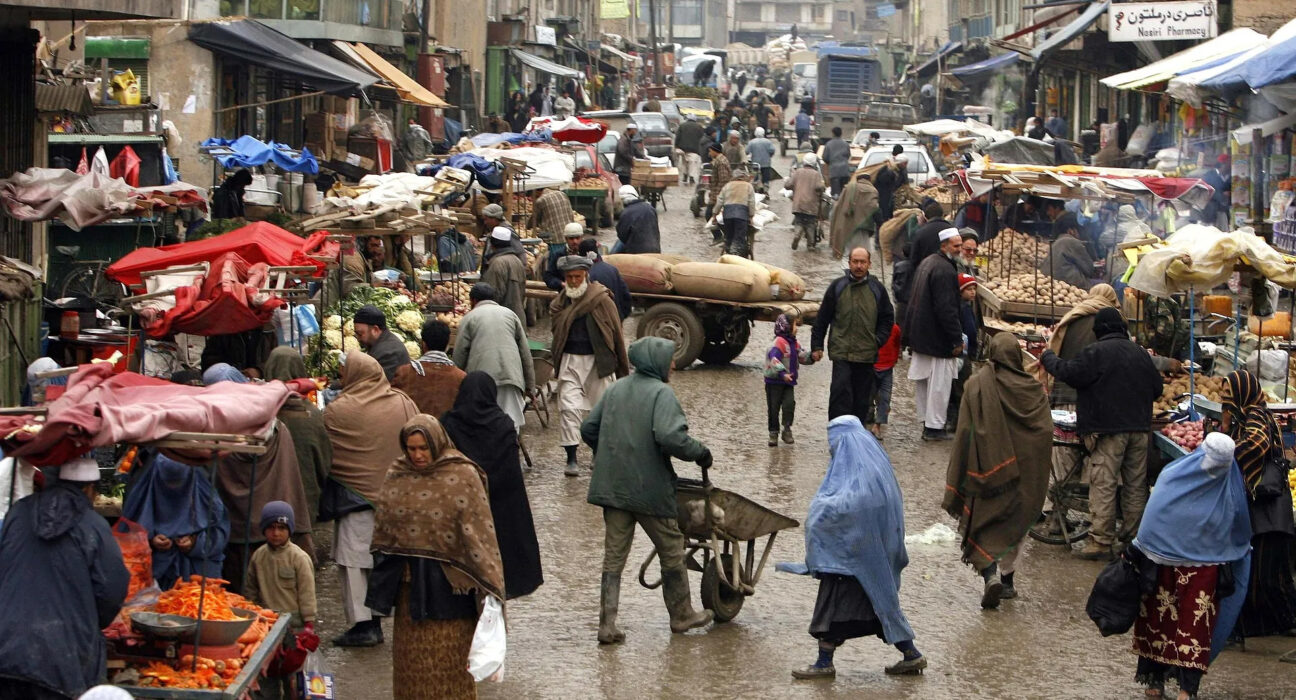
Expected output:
(797, 239)
(573, 468)
(675, 590)
(609, 598)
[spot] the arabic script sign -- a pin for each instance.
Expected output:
(1161, 21)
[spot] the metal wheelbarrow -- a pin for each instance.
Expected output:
(716, 523)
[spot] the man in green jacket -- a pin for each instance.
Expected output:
(634, 430)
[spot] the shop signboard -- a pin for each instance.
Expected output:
(546, 35)
(1162, 21)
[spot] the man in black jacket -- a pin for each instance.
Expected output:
(1116, 384)
(857, 307)
(688, 139)
(637, 228)
(933, 330)
(607, 275)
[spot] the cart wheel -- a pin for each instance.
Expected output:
(718, 597)
(678, 324)
(724, 345)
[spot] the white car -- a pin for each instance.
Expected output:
(920, 168)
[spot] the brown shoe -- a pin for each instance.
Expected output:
(1093, 550)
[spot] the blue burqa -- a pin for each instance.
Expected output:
(175, 500)
(1196, 517)
(856, 524)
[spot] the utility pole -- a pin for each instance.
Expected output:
(425, 27)
(652, 36)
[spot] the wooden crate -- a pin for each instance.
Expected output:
(1017, 310)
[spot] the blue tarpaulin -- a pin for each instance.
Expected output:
(1077, 26)
(250, 152)
(1275, 64)
(483, 171)
(983, 70)
(929, 68)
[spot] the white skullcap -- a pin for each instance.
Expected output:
(760, 132)
(79, 469)
(733, 133)
(628, 192)
(949, 233)
(573, 230)
(810, 159)
(105, 692)
(902, 159)
(1219, 453)
(501, 233)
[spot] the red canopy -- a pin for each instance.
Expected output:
(258, 242)
(225, 301)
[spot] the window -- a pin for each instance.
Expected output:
(687, 12)
(303, 9)
(266, 9)
(786, 12)
(818, 13)
(749, 12)
(841, 15)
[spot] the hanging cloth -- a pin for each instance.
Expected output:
(169, 174)
(100, 163)
(125, 166)
(83, 167)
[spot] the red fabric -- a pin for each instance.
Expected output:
(1175, 624)
(577, 129)
(83, 167)
(225, 301)
(259, 242)
(890, 352)
(126, 166)
(1172, 187)
(101, 408)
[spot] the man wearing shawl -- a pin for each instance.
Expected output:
(364, 427)
(305, 423)
(589, 349)
(432, 381)
(855, 547)
(493, 340)
(635, 430)
(1196, 531)
(999, 467)
(485, 434)
(185, 518)
(855, 215)
(436, 561)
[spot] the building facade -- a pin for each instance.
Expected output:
(757, 21)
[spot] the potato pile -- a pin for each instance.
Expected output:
(1210, 387)
(1018, 328)
(1026, 253)
(589, 183)
(1031, 288)
(940, 193)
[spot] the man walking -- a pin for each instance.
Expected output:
(761, 151)
(606, 275)
(1116, 385)
(506, 270)
(635, 430)
(721, 172)
(589, 350)
(637, 228)
(934, 331)
(628, 148)
(858, 310)
(802, 126)
(492, 339)
(737, 203)
(836, 153)
(855, 215)
(381, 344)
(688, 140)
(807, 187)
(432, 381)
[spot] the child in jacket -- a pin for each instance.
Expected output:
(883, 371)
(782, 363)
(281, 577)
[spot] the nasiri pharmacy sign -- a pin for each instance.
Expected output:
(1161, 21)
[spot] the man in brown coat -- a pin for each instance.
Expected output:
(432, 381)
(589, 349)
(721, 173)
(807, 187)
(853, 216)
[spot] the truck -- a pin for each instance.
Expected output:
(850, 77)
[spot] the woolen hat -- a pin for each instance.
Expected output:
(628, 192)
(494, 211)
(371, 315)
(278, 512)
(1108, 321)
(573, 230)
(482, 291)
(965, 281)
(574, 262)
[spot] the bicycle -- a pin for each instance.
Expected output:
(85, 279)
(1065, 518)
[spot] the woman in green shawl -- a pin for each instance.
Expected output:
(305, 423)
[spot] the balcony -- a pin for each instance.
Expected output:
(367, 21)
(977, 27)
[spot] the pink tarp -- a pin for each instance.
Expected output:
(577, 129)
(41, 194)
(259, 242)
(101, 408)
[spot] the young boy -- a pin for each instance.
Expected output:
(883, 371)
(967, 318)
(280, 577)
(781, 365)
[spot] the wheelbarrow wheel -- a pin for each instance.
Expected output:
(717, 596)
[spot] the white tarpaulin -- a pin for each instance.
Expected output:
(399, 189)
(1202, 257)
(549, 167)
(941, 127)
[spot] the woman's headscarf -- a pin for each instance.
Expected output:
(284, 364)
(175, 499)
(855, 526)
(783, 328)
(440, 512)
(478, 425)
(362, 425)
(222, 372)
(999, 467)
(1253, 427)
(1101, 296)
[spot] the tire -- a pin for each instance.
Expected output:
(1067, 505)
(725, 345)
(678, 324)
(723, 601)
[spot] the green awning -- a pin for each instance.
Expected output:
(116, 47)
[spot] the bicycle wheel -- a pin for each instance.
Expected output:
(89, 283)
(1065, 519)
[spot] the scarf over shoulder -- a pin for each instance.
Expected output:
(1100, 296)
(440, 512)
(362, 426)
(999, 466)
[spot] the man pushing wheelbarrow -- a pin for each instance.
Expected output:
(634, 430)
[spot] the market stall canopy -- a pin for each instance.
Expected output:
(941, 127)
(1077, 26)
(43, 194)
(1244, 133)
(544, 66)
(548, 168)
(406, 87)
(622, 55)
(249, 152)
(250, 41)
(982, 71)
(1203, 257)
(254, 243)
(1188, 85)
(928, 69)
(1278, 56)
(1081, 182)
(1224, 46)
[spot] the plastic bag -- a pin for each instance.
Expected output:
(486, 657)
(316, 682)
(133, 539)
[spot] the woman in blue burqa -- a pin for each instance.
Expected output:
(1197, 531)
(855, 547)
(185, 518)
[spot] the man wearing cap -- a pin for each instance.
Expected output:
(378, 342)
(1068, 259)
(606, 275)
(637, 228)
(62, 580)
(966, 260)
(733, 148)
(629, 147)
(493, 340)
(572, 233)
(492, 215)
(589, 349)
(858, 311)
(807, 187)
(737, 203)
(968, 319)
(761, 151)
(934, 331)
(721, 172)
(551, 212)
(506, 270)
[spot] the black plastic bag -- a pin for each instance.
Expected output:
(1114, 601)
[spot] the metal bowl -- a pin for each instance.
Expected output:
(160, 626)
(219, 633)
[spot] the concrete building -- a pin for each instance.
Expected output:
(1264, 16)
(757, 21)
(373, 22)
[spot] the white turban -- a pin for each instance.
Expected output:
(949, 233)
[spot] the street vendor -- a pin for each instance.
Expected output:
(506, 270)
(62, 579)
(492, 216)
(855, 216)
(635, 429)
(553, 277)
(550, 213)
(397, 256)
(628, 148)
(588, 349)
(1068, 259)
(380, 343)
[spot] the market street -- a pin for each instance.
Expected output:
(1039, 645)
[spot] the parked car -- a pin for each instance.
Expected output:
(890, 137)
(920, 168)
(668, 110)
(804, 78)
(658, 141)
(695, 108)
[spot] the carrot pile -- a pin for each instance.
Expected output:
(183, 598)
(208, 674)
